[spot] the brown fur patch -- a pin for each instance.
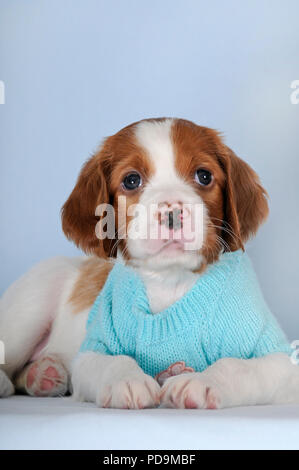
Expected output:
(246, 205)
(92, 277)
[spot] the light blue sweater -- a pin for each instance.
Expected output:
(222, 315)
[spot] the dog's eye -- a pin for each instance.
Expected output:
(203, 177)
(132, 181)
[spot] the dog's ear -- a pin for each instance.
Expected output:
(245, 204)
(78, 213)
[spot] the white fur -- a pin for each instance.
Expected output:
(155, 138)
(36, 301)
(116, 382)
(165, 288)
(30, 305)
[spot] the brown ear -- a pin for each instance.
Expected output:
(246, 204)
(78, 213)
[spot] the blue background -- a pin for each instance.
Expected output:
(76, 71)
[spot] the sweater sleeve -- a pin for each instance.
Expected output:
(245, 326)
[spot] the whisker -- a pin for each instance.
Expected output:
(226, 227)
(230, 232)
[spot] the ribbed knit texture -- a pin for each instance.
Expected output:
(223, 315)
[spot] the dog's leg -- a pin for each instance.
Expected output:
(113, 382)
(27, 311)
(230, 382)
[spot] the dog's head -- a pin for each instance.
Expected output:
(179, 197)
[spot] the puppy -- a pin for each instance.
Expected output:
(171, 165)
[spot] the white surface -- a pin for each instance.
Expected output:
(60, 423)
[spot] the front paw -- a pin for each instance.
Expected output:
(135, 391)
(191, 391)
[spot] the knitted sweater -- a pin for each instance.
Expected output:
(222, 315)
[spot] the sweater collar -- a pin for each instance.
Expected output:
(206, 289)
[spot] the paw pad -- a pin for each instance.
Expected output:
(46, 377)
(177, 368)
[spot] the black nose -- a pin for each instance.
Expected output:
(169, 219)
(173, 219)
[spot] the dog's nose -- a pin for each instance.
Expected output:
(171, 216)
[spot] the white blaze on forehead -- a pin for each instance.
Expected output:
(155, 138)
(166, 185)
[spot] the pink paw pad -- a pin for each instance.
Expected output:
(46, 377)
(176, 368)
